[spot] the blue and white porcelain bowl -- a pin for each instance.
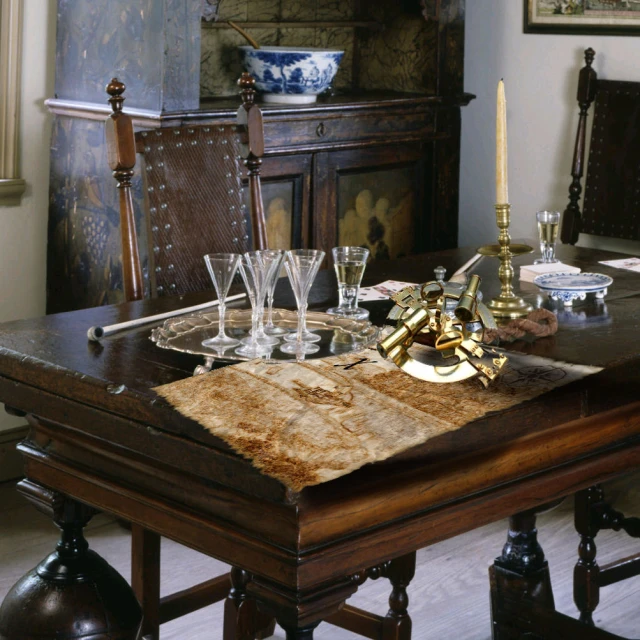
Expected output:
(290, 75)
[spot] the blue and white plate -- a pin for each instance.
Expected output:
(568, 287)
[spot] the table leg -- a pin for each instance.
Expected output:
(242, 619)
(300, 611)
(73, 593)
(301, 634)
(586, 590)
(145, 578)
(397, 623)
(519, 577)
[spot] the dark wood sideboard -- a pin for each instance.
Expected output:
(375, 163)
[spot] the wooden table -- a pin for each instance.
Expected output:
(101, 439)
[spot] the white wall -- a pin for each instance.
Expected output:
(541, 79)
(23, 240)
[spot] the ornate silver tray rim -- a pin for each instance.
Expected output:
(185, 333)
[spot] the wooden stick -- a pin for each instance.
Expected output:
(244, 34)
(468, 264)
(97, 333)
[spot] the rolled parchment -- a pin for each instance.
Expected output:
(97, 333)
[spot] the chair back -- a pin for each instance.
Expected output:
(193, 194)
(611, 204)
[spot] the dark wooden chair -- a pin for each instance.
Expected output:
(193, 206)
(611, 207)
(611, 204)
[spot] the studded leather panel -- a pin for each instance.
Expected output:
(612, 190)
(193, 183)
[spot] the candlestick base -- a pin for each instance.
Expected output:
(508, 308)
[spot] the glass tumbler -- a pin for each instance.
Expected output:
(548, 223)
(349, 263)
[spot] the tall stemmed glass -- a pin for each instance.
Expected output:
(269, 328)
(302, 266)
(255, 274)
(272, 261)
(222, 268)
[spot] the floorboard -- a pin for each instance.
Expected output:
(449, 597)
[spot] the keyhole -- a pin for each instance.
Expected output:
(321, 130)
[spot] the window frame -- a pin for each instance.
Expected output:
(11, 185)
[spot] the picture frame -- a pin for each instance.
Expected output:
(603, 17)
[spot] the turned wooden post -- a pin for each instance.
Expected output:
(519, 576)
(587, 86)
(397, 623)
(252, 150)
(242, 620)
(73, 593)
(121, 155)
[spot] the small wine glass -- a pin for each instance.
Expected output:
(548, 223)
(222, 268)
(269, 328)
(254, 272)
(272, 262)
(349, 263)
(302, 266)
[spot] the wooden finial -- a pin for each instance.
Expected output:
(115, 89)
(247, 85)
(589, 55)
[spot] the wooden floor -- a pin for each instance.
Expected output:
(448, 598)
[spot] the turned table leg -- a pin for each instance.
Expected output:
(300, 634)
(586, 591)
(397, 623)
(242, 620)
(519, 576)
(73, 593)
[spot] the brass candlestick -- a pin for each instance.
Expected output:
(507, 305)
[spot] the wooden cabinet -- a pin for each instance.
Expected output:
(376, 163)
(379, 171)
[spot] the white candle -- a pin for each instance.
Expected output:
(502, 188)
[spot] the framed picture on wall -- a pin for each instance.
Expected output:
(605, 17)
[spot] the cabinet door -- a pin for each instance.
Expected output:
(373, 197)
(286, 187)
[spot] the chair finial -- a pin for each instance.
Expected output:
(247, 85)
(589, 55)
(115, 89)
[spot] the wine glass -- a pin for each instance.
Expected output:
(269, 328)
(255, 273)
(548, 223)
(222, 268)
(302, 266)
(272, 262)
(349, 263)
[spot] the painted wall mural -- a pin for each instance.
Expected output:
(85, 251)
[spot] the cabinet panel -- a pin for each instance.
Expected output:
(374, 198)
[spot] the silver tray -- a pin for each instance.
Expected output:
(186, 333)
